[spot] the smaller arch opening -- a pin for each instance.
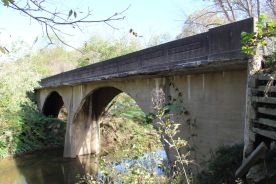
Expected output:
(55, 120)
(54, 106)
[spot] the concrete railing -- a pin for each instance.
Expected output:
(218, 44)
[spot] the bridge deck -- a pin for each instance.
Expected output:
(217, 48)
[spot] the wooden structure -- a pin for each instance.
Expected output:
(264, 104)
(262, 126)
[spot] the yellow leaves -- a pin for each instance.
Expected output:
(7, 2)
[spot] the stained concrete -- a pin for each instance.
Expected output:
(217, 48)
(215, 100)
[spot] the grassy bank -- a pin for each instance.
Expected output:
(28, 130)
(126, 138)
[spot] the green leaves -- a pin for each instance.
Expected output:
(22, 127)
(127, 107)
(266, 30)
(265, 35)
(13, 87)
(222, 165)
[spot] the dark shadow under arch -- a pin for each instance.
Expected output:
(52, 105)
(102, 97)
(85, 124)
(98, 99)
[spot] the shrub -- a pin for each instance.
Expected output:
(38, 131)
(22, 127)
(222, 166)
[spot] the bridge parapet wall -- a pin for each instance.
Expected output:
(217, 46)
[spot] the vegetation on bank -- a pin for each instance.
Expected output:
(22, 127)
(124, 131)
(222, 166)
(125, 146)
(29, 130)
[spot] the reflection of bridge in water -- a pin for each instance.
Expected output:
(46, 167)
(208, 69)
(50, 167)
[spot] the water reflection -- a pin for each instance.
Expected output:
(45, 167)
(49, 167)
(151, 162)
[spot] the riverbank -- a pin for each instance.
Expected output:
(122, 140)
(28, 130)
(126, 138)
(117, 134)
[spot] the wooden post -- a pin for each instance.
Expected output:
(256, 155)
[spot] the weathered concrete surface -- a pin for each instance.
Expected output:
(216, 100)
(208, 69)
(217, 48)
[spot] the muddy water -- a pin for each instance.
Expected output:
(49, 167)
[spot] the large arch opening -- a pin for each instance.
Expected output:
(86, 124)
(110, 119)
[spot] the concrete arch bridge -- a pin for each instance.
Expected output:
(207, 68)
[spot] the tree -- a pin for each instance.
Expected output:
(13, 87)
(51, 61)
(52, 19)
(201, 21)
(98, 49)
(234, 10)
(219, 12)
(157, 39)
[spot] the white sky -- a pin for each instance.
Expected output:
(146, 17)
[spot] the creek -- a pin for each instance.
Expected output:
(49, 167)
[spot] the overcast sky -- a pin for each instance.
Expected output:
(146, 17)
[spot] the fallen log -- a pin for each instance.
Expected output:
(256, 155)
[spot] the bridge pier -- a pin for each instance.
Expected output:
(83, 132)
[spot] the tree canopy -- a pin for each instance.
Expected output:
(219, 12)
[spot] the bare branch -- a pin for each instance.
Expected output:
(221, 5)
(234, 10)
(47, 33)
(52, 19)
(272, 5)
(231, 10)
(63, 42)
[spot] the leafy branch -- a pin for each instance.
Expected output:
(266, 30)
(265, 35)
(169, 130)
